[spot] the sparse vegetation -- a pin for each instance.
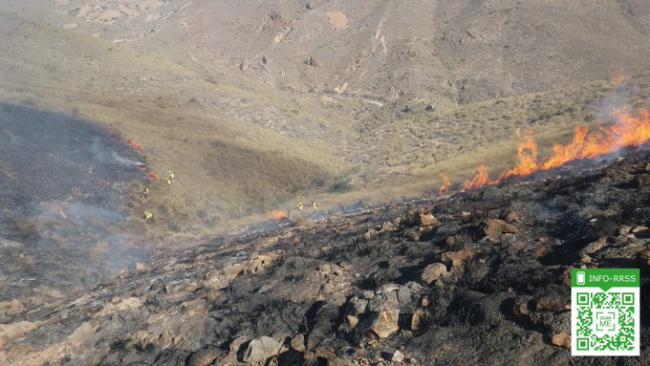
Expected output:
(340, 186)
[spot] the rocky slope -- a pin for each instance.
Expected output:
(474, 278)
(457, 51)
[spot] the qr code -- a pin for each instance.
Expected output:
(606, 321)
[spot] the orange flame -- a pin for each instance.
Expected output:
(629, 131)
(445, 184)
(153, 176)
(278, 215)
(527, 155)
(137, 147)
(481, 179)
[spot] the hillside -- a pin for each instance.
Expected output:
(256, 103)
(475, 278)
(457, 52)
(258, 106)
(316, 182)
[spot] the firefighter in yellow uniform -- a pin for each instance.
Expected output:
(171, 176)
(148, 216)
(314, 204)
(300, 206)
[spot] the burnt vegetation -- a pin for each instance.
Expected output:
(479, 277)
(64, 184)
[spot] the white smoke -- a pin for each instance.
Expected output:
(105, 154)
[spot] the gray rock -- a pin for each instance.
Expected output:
(404, 296)
(383, 300)
(203, 358)
(357, 306)
(261, 349)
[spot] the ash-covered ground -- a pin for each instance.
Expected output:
(476, 278)
(65, 185)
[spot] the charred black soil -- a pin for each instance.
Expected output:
(64, 186)
(475, 278)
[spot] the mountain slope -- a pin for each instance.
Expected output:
(307, 84)
(461, 51)
(484, 281)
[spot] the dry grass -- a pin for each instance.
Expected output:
(241, 148)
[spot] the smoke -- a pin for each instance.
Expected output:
(94, 234)
(85, 214)
(103, 154)
(122, 252)
(622, 128)
(64, 195)
(617, 98)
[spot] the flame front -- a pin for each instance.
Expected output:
(527, 155)
(481, 179)
(153, 176)
(135, 146)
(630, 130)
(445, 184)
(278, 215)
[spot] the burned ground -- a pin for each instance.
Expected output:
(475, 278)
(64, 185)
